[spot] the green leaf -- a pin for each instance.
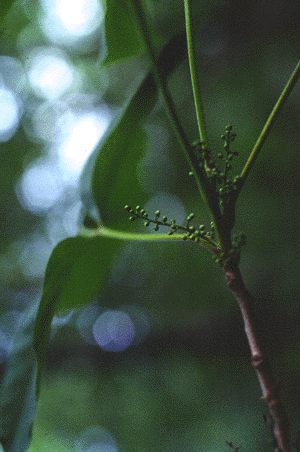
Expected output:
(121, 34)
(114, 180)
(77, 270)
(4, 8)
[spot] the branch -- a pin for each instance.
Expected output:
(269, 124)
(270, 387)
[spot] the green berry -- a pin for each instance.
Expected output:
(190, 217)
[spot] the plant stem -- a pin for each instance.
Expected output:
(194, 75)
(223, 238)
(269, 386)
(121, 235)
(268, 125)
(161, 83)
(198, 174)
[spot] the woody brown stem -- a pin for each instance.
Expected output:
(270, 387)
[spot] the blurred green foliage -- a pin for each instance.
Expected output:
(190, 386)
(122, 37)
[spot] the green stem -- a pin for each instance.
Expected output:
(268, 125)
(161, 83)
(211, 202)
(178, 129)
(194, 75)
(121, 235)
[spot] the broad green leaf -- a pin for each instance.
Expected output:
(77, 270)
(121, 34)
(115, 181)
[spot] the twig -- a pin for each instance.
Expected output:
(269, 124)
(270, 387)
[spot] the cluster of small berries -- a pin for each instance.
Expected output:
(191, 232)
(225, 186)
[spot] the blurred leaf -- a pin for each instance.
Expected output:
(12, 21)
(17, 399)
(122, 37)
(115, 181)
(77, 270)
(4, 8)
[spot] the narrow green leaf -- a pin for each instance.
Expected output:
(121, 34)
(77, 270)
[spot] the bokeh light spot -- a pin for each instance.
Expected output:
(81, 140)
(49, 72)
(114, 331)
(70, 20)
(40, 188)
(77, 15)
(9, 114)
